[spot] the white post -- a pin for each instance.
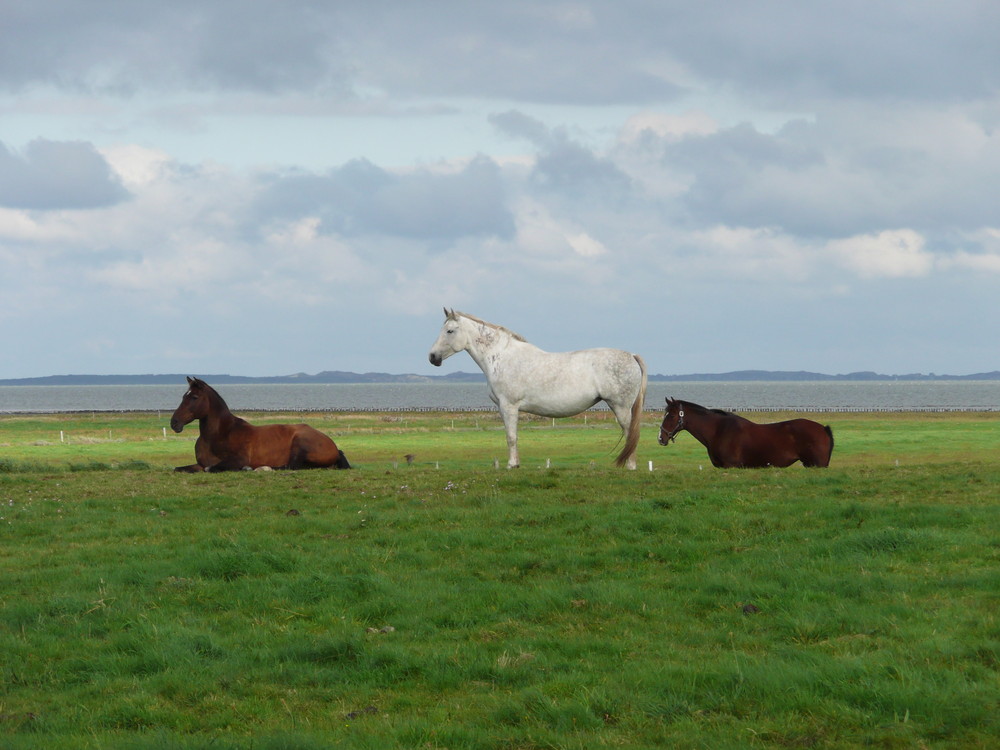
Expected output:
(650, 465)
(62, 438)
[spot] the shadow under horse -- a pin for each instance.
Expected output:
(737, 443)
(228, 443)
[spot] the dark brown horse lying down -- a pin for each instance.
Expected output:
(228, 443)
(737, 443)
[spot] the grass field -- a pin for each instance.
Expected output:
(444, 603)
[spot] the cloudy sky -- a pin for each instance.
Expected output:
(263, 188)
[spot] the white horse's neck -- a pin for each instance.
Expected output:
(486, 344)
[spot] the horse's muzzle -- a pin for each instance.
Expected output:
(436, 359)
(176, 425)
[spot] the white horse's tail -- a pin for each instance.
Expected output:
(632, 439)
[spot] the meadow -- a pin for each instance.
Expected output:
(428, 599)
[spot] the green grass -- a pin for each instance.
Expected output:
(447, 604)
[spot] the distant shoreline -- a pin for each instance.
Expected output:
(332, 377)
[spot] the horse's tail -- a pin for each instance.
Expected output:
(829, 433)
(635, 424)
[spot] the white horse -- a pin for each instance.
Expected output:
(522, 377)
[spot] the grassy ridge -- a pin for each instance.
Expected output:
(446, 604)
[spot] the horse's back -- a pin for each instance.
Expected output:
(560, 384)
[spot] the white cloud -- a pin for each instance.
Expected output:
(20, 226)
(195, 266)
(989, 262)
(135, 165)
(667, 126)
(750, 253)
(898, 253)
(586, 246)
(540, 234)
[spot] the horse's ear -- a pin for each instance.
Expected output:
(190, 380)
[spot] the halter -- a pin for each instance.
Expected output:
(678, 427)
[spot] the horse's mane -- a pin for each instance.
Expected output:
(474, 319)
(705, 410)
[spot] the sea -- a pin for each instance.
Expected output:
(879, 395)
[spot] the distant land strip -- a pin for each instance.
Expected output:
(338, 376)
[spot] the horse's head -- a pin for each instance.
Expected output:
(673, 421)
(452, 339)
(194, 405)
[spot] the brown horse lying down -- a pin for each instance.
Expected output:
(737, 443)
(228, 443)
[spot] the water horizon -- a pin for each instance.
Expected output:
(881, 395)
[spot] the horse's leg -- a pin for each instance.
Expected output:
(297, 459)
(814, 445)
(508, 413)
(233, 463)
(725, 452)
(202, 455)
(312, 449)
(298, 454)
(816, 457)
(718, 462)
